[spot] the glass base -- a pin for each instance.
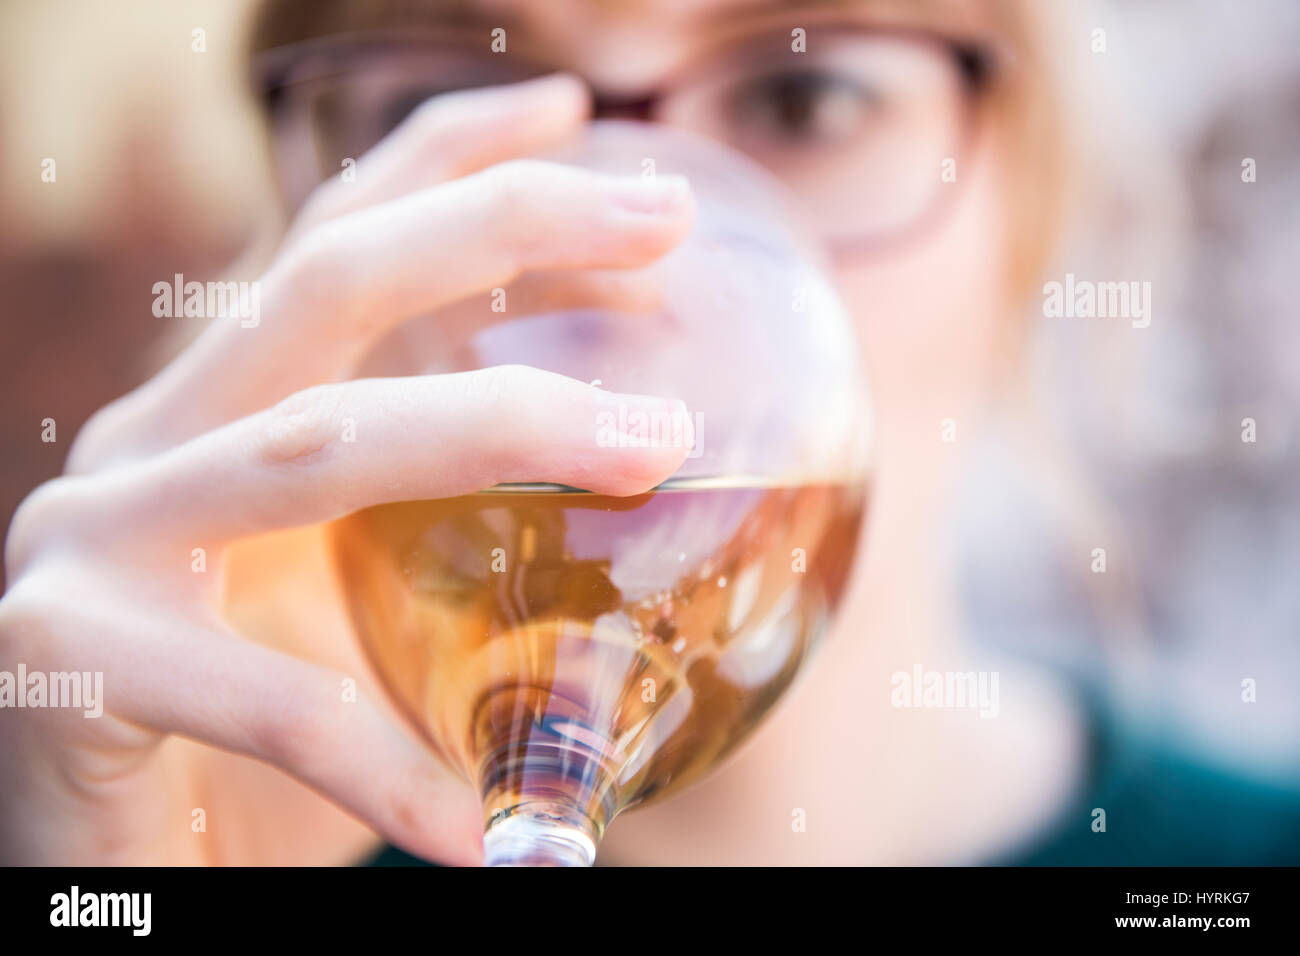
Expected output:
(540, 834)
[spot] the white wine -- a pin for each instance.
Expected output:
(591, 652)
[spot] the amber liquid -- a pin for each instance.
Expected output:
(599, 651)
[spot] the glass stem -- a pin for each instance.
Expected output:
(540, 833)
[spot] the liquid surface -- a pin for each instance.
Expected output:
(591, 650)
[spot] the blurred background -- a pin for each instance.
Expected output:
(162, 167)
(1209, 524)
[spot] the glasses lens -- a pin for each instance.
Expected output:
(343, 99)
(860, 127)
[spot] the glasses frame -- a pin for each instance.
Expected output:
(982, 64)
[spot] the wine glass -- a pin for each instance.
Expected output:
(575, 654)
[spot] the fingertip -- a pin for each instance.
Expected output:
(465, 850)
(557, 100)
(644, 472)
(455, 834)
(640, 441)
(472, 854)
(569, 85)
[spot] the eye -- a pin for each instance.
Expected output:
(815, 107)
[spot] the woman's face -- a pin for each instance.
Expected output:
(871, 111)
(860, 124)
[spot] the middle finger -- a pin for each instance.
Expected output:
(344, 284)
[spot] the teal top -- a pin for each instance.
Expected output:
(1164, 806)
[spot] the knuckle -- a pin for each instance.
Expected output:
(429, 136)
(316, 274)
(93, 442)
(501, 388)
(303, 428)
(516, 402)
(46, 509)
(517, 181)
(520, 195)
(321, 203)
(529, 200)
(28, 611)
(16, 616)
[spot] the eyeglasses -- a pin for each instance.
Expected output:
(867, 127)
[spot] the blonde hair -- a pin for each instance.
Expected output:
(1074, 202)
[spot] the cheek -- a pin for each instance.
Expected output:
(928, 312)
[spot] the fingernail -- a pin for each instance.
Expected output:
(653, 194)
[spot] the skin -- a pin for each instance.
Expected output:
(227, 683)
